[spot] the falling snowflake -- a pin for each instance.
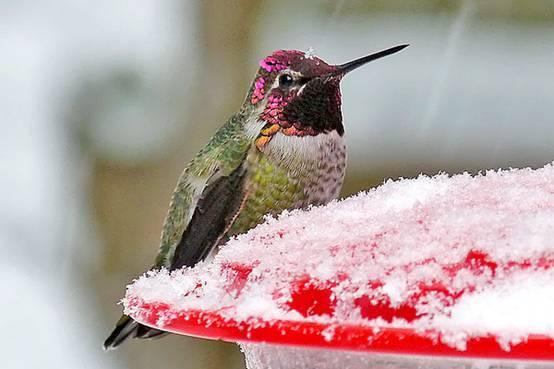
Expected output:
(310, 53)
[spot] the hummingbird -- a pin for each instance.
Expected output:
(284, 149)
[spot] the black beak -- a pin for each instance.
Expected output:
(342, 69)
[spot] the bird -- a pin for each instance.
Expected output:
(284, 149)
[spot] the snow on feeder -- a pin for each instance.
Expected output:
(438, 272)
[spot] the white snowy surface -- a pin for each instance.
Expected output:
(463, 256)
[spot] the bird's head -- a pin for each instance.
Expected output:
(298, 94)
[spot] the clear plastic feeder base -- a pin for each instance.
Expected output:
(264, 356)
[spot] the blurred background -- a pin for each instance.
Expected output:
(103, 103)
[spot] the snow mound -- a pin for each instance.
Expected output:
(457, 257)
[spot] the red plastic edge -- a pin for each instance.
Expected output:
(211, 325)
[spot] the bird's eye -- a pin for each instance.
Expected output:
(285, 80)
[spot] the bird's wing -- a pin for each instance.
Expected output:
(207, 199)
(215, 211)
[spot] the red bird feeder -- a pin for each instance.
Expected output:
(435, 272)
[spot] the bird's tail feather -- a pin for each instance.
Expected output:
(128, 328)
